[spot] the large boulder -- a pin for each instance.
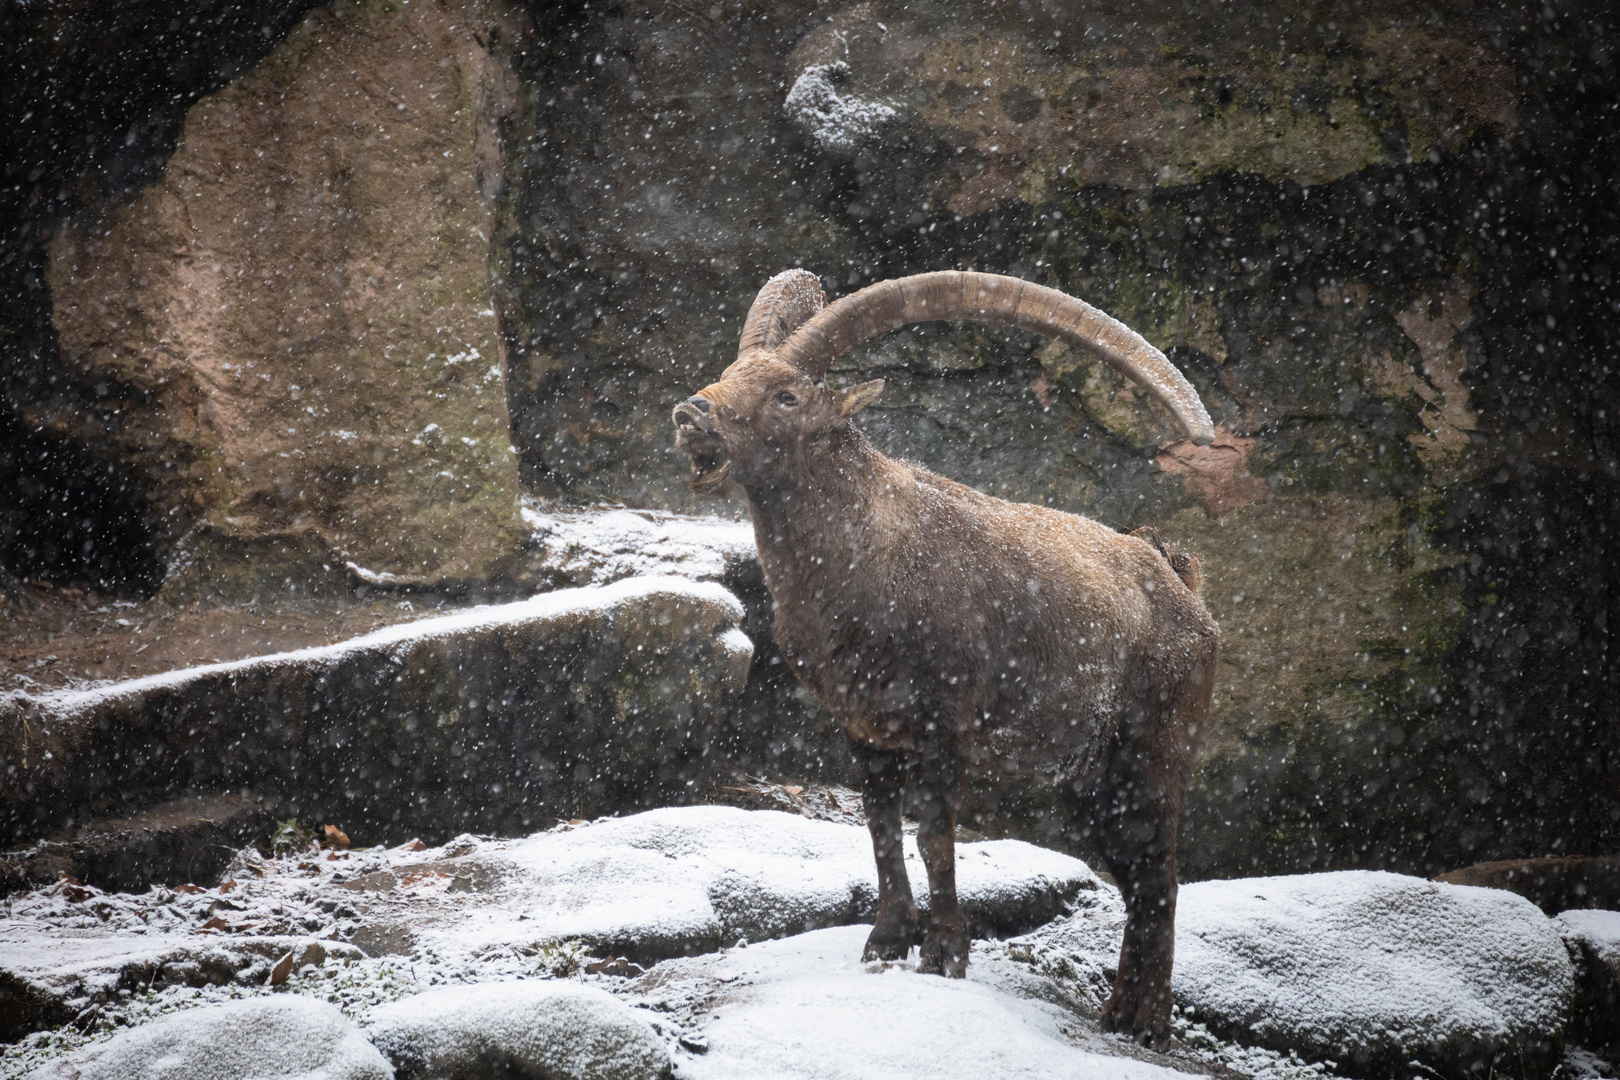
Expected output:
(558, 1030)
(501, 717)
(297, 322)
(285, 1037)
(1369, 970)
(1374, 970)
(1553, 883)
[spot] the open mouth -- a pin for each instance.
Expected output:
(711, 467)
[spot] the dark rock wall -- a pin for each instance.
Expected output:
(1380, 240)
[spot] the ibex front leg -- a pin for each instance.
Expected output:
(882, 785)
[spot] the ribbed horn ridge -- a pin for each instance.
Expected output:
(781, 307)
(1003, 301)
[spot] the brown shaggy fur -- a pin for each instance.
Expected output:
(948, 630)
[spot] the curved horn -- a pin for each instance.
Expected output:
(1004, 301)
(781, 307)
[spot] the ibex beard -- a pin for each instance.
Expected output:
(946, 630)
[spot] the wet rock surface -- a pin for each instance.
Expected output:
(1555, 883)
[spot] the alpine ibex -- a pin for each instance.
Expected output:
(946, 629)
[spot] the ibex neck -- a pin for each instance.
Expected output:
(822, 503)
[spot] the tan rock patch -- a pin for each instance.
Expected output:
(303, 300)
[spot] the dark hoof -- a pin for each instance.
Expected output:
(887, 942)
(1140, 1023)
(944, 954)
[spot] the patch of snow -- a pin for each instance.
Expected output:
(1598, 930)
(808, 1007)
(837, 121)
(597, 546)
(481, 619)
(1579, 1064)
(284, 1036)
(529, 1028)
(1372, 967)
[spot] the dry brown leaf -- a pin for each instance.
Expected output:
(282, 970)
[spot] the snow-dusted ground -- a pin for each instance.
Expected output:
(662, 883)
(807, 1006)
(1325, 964)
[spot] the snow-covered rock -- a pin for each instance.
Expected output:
(1594, 938)
(598, 546)
(837, 119)
(1369, 970)
(283, 1037)
(808, 1007)
(693, 879)
(499, 717)
(559, 1030)
(1374, 970)
(1598, 931)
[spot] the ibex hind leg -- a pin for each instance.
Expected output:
(939, 794)
(1133, 812)
(882, 786)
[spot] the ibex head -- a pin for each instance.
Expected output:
(772, 399)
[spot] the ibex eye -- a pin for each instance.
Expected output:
(788, 397)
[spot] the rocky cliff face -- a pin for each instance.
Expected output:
(1380, 242)
(1374, 242)
(294, 327)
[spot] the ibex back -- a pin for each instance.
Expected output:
(947, 630)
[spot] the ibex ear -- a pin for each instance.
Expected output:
(855, 398)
